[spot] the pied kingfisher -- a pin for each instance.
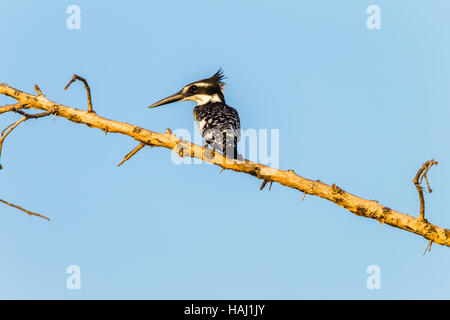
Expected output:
(217, 122)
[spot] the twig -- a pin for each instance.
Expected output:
(34, 116)
(11, 128)
(13, 125)
(264, 185)
(351, 202)
(77, 77)
(428, 247)
(421, 174)
(7, 108)
(24, 210)
(131, 153)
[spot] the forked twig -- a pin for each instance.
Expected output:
(3, 132)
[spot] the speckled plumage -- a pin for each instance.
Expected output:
(219, 125)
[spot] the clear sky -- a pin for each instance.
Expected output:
(357, 107)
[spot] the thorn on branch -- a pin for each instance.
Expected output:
(421, 174)
(264, 185)
(39, 92)
(131, 153)
(24, 210)
(386, 212)
(77, 77)
(428, 248)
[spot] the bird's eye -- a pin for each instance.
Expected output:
(193, 88)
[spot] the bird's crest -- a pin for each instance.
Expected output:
(217, 78)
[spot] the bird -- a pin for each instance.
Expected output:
(218, 123)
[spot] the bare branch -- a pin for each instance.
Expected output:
(357, 205)
(77, 77)
(24, 210)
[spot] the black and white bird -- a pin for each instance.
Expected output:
(217, 122)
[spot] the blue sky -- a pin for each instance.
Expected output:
(357, 107)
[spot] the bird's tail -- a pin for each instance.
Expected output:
(230, 151)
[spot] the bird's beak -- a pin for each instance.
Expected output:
(173, 98)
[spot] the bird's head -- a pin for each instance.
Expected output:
(202, 91)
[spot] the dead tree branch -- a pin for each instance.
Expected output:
(358, 206)
(24, 210)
